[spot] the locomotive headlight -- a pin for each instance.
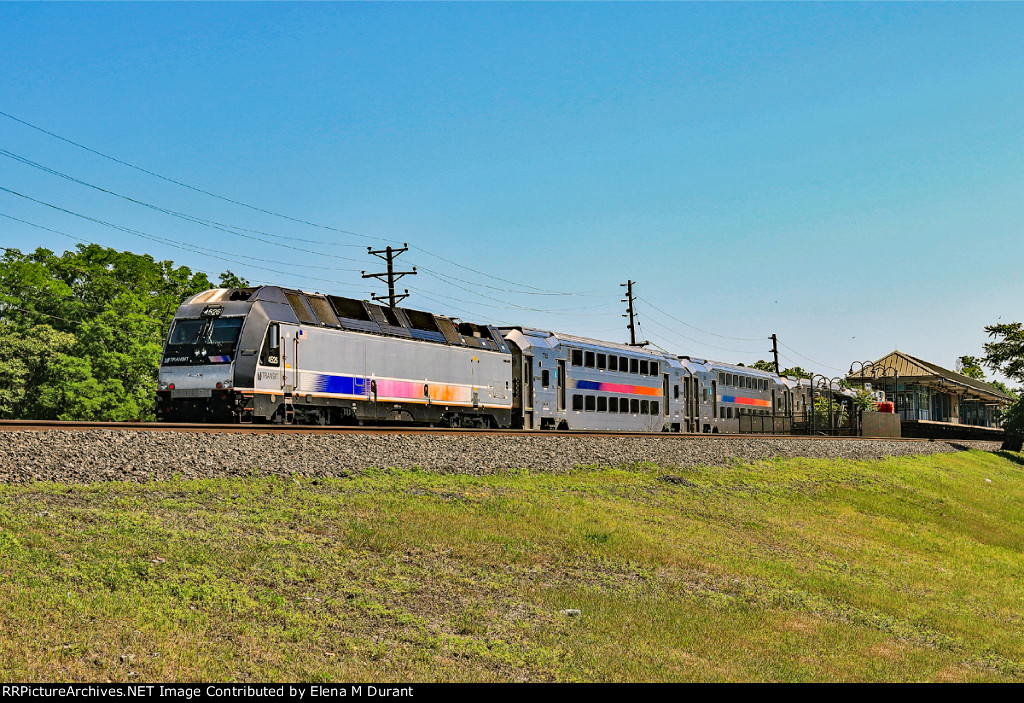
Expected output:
(224, 384)
(163, 385)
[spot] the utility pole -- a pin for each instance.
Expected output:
(775, 351)
(631, 314)
(390, 276)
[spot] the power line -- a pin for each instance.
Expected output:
(186, 185)
(169, 242)
(86, 241)
(271, 212)
(713, 334)
(812, 360)
(213, 224)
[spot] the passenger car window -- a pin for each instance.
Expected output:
(624, 405)
(613, 363)
(634, 405)
(613, 403)
(588, 360)
(602, 404)
(654, 368)
(644, 407)
(545, 378)
(577, 402)
(654, 407)
(577, 357)
(634, 366)
(643, 367)
(601, 361)
(590, 403)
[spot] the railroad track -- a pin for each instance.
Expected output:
(44, 425)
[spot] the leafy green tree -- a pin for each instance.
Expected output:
(762, 365)
(796, 372)
(970, 366)
(864, 401)
(81, 332)
(1006, 355)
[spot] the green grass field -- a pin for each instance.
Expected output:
(788, 570)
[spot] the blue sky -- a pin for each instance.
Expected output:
(848, 176)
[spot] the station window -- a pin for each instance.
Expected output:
(654, 407)
(588, 360)
(613, 363)
(624, 405)
(613, 403)
(590, 403)
(577, 357)
(634, 405)
(601, 361)
(645, 407)
(643, 367)
(623, 364)
(545, 378)
(654, 368)
(602, 404)
(634, 366)
(577, 402)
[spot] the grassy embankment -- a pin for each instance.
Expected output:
(784, 570)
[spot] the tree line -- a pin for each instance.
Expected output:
(81, 333)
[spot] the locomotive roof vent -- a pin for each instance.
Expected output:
(241, 293)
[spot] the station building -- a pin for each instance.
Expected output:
(928, 393)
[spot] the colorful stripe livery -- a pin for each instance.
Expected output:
(616, 388)
(340, 385)
(220, 359)
(387, 389)
(756, 402)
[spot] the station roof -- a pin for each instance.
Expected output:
(921, 371)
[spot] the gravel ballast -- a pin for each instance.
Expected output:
(86, 456)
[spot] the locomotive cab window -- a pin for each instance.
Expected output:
(186, 331)
(224, 330)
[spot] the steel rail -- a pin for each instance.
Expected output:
(46, 425)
